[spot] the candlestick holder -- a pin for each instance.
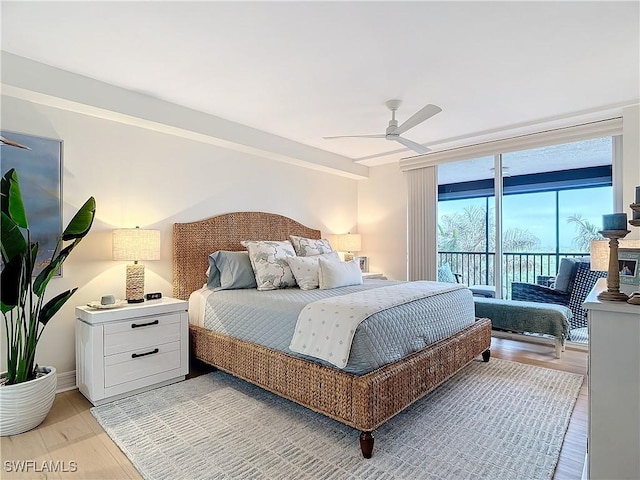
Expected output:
(636, 215)
(613, 292)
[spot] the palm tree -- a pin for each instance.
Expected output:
(585, 232)
(466, 232)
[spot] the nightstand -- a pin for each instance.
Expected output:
(373, 275)
(127, 350)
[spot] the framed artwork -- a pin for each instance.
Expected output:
(629, 265)
(40, 174)
(364, 264)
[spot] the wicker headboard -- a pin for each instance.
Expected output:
(194, 241)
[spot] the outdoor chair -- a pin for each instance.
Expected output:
(570, 288)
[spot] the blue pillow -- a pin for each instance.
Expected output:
(445, 274)
(230, 271)
(566, 274)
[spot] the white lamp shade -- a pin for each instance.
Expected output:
(599, 252)
(136, 244)
(349, 242)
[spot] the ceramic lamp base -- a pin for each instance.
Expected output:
(135, 283)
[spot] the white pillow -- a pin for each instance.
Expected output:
(269, 262)
(338, 274)
(306, 247)
(305, 269)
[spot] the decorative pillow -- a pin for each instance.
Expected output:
(566, 274)
(230, 270)
(305, 269)
(306, 247)
(269, 262)
(333, 274)
(445, 274)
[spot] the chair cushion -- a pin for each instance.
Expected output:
(445, 274)
(566, 274)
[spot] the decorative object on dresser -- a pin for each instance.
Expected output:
(129, 350)
(600, 254)
(635, 209)
(362, 401)
(500, 421)
(348, 243)
(136, 244)
(614, 228)
(27, 390)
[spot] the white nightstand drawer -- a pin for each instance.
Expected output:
(141, 363)
(141, 333)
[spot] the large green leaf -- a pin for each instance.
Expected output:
(52, 306)
(13, 242)
(81, 222)
(10, 284)
(12, 204)
(42, 280)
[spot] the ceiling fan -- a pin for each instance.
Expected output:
(394, 131)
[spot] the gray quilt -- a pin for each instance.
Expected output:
(269, 317)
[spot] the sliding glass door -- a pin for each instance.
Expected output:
(552, 205)
(511, 217)
(466, 220)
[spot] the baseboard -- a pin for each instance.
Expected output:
(66, 381)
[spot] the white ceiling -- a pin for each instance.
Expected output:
(304, 70)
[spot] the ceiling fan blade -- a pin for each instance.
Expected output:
(415, 146)
(355, 136)
(420, 116)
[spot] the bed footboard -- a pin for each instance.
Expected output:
(363, 402)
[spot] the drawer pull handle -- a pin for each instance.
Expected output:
(136, 325)
(136, 355)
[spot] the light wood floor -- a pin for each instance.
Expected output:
(71, 434)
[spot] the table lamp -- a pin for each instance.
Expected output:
(136, 244)
(349, 243)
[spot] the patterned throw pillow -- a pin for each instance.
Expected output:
(305, 269)
(269, 262)
(306, 247)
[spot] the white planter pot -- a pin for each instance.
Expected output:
(24, 406)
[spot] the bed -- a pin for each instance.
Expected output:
(363, 402)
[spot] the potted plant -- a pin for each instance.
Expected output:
(26, 390)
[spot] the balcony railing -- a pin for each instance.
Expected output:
(477, 268)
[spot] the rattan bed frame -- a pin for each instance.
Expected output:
(363, 402)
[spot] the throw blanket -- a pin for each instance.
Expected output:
(325, 328)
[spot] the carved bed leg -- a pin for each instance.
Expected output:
(366, 444)
(486, 355)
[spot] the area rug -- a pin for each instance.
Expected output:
(497, 420)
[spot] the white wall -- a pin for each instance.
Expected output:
(382, 203)
(152, 179)
(382, 220)
(631, 164)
